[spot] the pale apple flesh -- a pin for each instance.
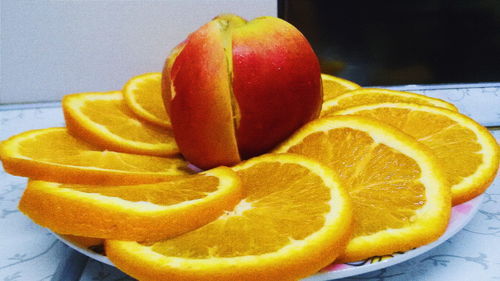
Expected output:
(235, 89)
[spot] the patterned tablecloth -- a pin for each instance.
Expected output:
(31, 253)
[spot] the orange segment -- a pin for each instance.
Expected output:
(54, 155)
(468, 153)
(294, 219)
(372, 95)
(400, 197)
(143, 96)
(335, 86)
(132, 212)
(105, 120)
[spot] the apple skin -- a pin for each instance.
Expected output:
(276, 81)
(236, 89)
(198, 99)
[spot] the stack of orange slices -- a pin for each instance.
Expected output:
(376, 174)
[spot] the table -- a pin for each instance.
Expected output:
(29, 252)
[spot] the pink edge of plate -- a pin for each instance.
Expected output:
(461, 215)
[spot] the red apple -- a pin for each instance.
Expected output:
(235, 89)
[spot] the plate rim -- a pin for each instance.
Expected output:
(450, 232)
(347, 272)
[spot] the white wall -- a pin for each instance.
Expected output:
(50, 48)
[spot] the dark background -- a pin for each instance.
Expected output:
(402, 42)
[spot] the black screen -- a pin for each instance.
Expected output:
(402, 42)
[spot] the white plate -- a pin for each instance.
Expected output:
(460, 216)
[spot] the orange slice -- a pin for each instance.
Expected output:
(293, 220)
(105, 120)
(143, 96)
(372, 95)
(53, 154)
(133, 212)
(466, 150)
(335, 86)
(401, 199)
(82, 241)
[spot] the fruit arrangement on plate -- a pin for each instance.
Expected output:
(241, 161)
